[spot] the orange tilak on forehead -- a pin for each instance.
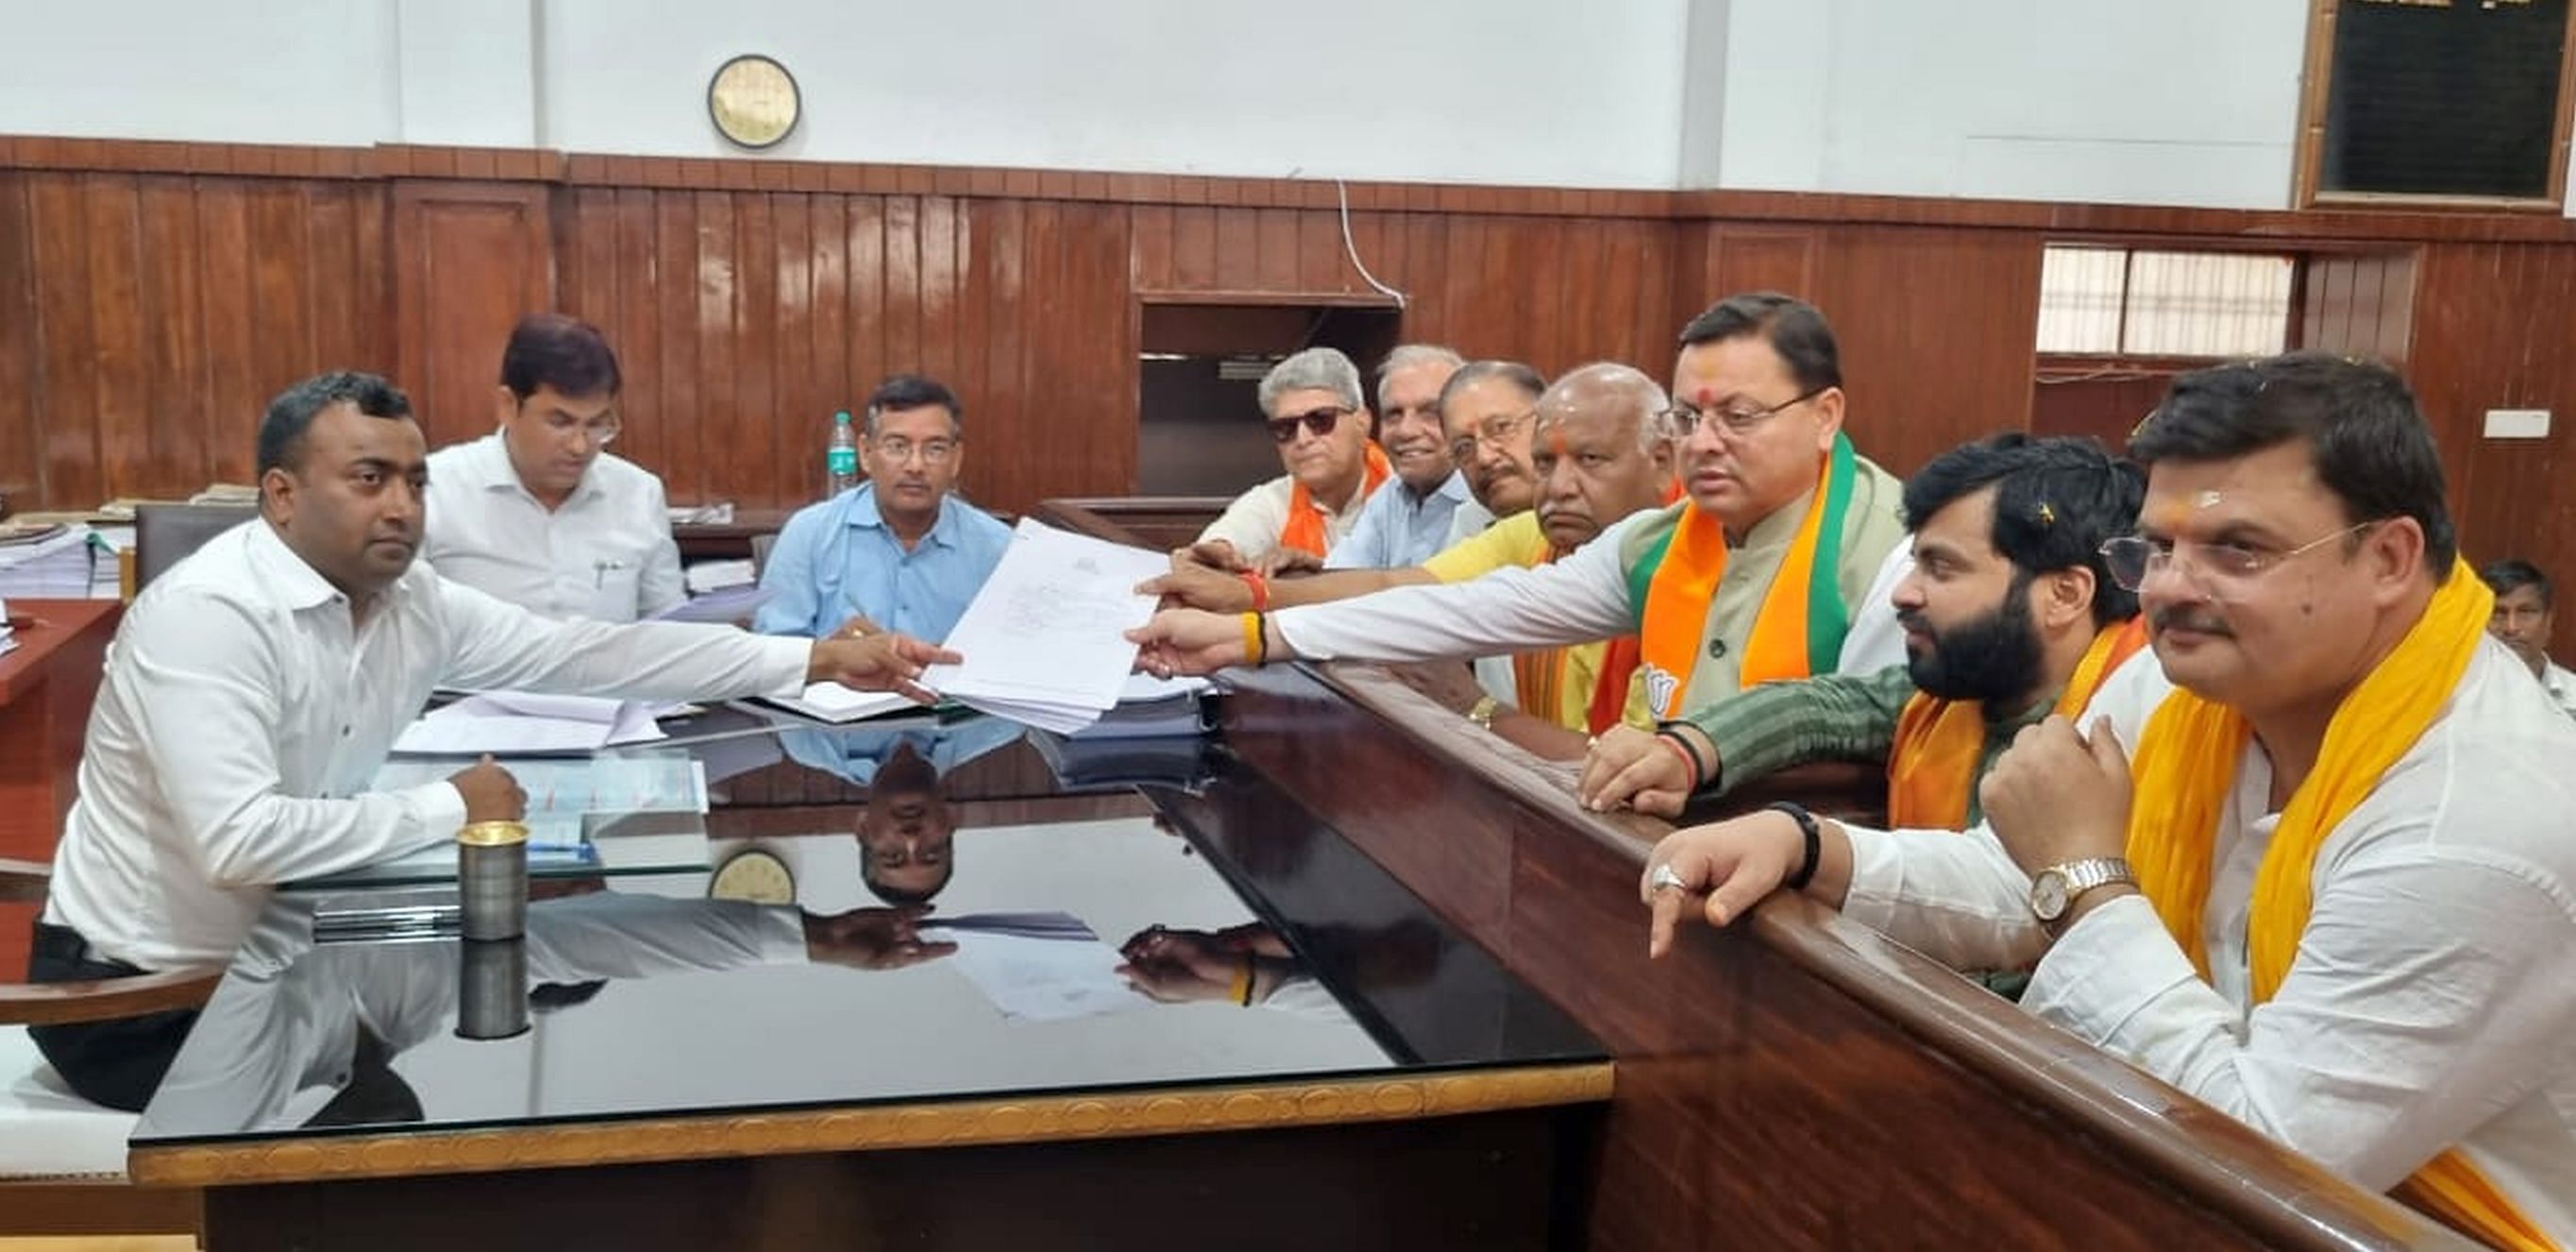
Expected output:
(1704, 396)
(1556, 441)
(2172, 513)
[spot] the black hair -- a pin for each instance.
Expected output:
(1474, 372)
(914, 391)
(2364, 434)
(565, 353)
(2513, 574)
(1794, 328)
(281, 431)
(2056, 502)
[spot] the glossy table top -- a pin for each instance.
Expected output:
(1099, 941)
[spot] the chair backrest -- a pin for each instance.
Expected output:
(760, 546)
(164, 534)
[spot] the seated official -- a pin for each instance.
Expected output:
(1311, 402)
(2524, 609)
(538, 513)
(907, 833)
(1777, 565)
(2318, 867)
(901, 551)
(1410, 518)
(2010, 615)
(254, 690)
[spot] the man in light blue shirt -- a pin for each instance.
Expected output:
(898, 552)
(1406, 521)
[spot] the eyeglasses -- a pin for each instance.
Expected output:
(1497, 433)
(2132, 558)
(601, 431)
(1735, 419)
(1319, 422)
(933, 451)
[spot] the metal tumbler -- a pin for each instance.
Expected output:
(492, 879)
(492, 993)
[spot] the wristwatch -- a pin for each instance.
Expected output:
(2056, 889)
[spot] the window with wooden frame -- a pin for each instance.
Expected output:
(2436, 103)
(2103, 302)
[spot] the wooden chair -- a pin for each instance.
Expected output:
(62, 1159)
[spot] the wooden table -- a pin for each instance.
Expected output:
(46, 687)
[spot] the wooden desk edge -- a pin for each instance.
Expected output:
(2222, 1163)
(60, 624)
(1032, 1119)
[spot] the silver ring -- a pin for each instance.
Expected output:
(1665, 879)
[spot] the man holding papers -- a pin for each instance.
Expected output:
(252, 692)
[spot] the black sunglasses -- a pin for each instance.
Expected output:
(1319, 421)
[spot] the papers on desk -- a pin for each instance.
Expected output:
(728, 604)
(49, 562)
(562, 792)
(1045, 639)
(1039, 967)
(518, 722)
(832, 702)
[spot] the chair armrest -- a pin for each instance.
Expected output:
(54, 1004)
(23, 882)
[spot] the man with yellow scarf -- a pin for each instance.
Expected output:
(1776, 564)
(2009, 612)
(2318, 868)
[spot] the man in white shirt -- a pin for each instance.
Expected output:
(1311, 403)
(1410, 519)
(2346, 913)
(538, 513)
(253, 691)
(2524, 613)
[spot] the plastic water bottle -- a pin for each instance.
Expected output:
(841, 456)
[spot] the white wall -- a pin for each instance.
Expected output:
(2189, 102)
(2177, 102)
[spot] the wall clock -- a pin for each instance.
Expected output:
(753, 101)
(756, 875)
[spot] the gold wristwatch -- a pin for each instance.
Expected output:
(2053, 891)
(1482, 712)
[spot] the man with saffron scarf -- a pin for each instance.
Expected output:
(2010, 614)
(2325, 877)
(1311, 403)
(1777, 564)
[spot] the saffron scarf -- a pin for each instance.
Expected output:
(1932, 765)
(1803, 619)
(1306, 530)
(2184, 769)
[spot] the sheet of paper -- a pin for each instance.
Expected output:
(832, 702)
(1044, 925)
(727, 604)
(459, 730)
(1044, 980)
(1045, 638)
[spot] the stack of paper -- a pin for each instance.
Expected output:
(1154, 708)
(832, 702)
(727, 604)
(1045, 640)
(52, 564)
(511, 721)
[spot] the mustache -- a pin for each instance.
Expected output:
(2188, 618)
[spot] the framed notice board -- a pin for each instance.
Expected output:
(2416, 101)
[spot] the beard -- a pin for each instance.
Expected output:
(1994, 656)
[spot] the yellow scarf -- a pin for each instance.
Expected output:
(2183, 771)
(1932, 765)
(1305, 529)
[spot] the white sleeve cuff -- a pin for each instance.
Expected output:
(2112, 963)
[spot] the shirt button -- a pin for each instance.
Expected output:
(344, 732)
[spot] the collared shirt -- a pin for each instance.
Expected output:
(243, 716)
(2561, 685)
(1584, 596)
(1397, 528)
(605, 554)
(855, 754)
(1253, 522)
(1832, 717)
(839, 558)
(2433, 999)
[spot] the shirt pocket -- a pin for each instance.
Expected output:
(610, 594)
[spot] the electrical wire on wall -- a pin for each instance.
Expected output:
(1352, 249)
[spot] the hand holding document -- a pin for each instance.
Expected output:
(1045, 640)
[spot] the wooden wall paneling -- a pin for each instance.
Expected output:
(720, 347)
(111, 205)
(345, 307)
(754, 423)
(683, 414)
(1195, 248)
(803, 405)
(1651, 347)
(21, 464)
(1149, 258)
(1576, 291)
(1237, 249)
(1275, 239)
(633, 324)
(974, 316)
(282, 345)
(868, 362)
(234, 395)
(1321, 263)
(470, 259)
(1000, 405)
(829, 280)
(1937, 329)
(67, 409)
(1467, 321)
(903, 288)
(940, 350)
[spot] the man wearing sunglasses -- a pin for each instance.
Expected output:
(2318, 866)
(1411, 519)
(1311, 403)
(1777, 564)
(538, 512)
